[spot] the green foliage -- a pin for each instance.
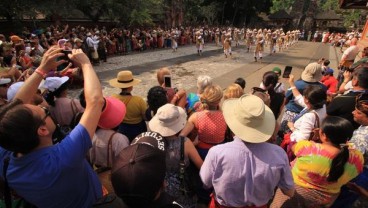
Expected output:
(278, 5)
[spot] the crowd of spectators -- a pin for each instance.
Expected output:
(212, 148)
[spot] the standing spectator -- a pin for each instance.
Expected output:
(230, 168)
(26, 134)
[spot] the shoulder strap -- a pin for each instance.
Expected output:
(277, 86)
(109, 150)
(181, 149)
(316, 122)
(7, 194)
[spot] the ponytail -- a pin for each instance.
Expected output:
(338, 164)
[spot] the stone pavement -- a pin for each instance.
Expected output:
(186, 65)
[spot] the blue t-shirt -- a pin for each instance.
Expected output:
(55, 176)
(300, 85)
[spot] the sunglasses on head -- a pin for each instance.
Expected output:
(258, 89)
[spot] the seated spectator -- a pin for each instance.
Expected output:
(62, 108)
(174, 95)
(271, 84)
(168, 122)
(203, 81)
(209, 122)
(107, 142)
(330, 81)
(134, 120)
(26, 133)
(320, 170)
(279, 87)
(310, 76)
(343, 105)
(156, 98)
(314, 113)
(233, 91)
(230, 168)
(138, 173)
(241, 82)
(359, 141)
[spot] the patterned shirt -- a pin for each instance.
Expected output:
(360, 142)
(311, 167)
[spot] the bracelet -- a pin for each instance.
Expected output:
(41, 73)
(291, 88)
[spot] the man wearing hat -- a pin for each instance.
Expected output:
(138, 173)
(44, 174)
(4, 85)
(134, 121)
(246, 171)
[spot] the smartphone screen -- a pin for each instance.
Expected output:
(287, 71)
(167, 80)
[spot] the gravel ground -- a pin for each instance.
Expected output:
(184, 74)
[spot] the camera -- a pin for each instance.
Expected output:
(66, 52)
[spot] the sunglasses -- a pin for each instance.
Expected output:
(47, 113)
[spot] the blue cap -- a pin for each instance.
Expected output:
(329, 71)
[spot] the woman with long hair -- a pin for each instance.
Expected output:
(320, 169)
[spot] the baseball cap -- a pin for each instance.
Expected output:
(329, 71)
(4, 81)
(138, 172)
(53, 83)
(277, 70)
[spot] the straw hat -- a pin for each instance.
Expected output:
(124, 79)
(169, 120)
(249, 118)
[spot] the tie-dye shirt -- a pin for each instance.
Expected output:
(312, 166)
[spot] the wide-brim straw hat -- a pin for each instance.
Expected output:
(249, 118)
(124, 79)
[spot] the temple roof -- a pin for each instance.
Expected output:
(327, 15)
(281, 14)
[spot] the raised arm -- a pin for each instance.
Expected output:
(92, 92)
(48, 63)
(298, 98)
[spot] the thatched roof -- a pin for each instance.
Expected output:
(281, 14)
(327, 15)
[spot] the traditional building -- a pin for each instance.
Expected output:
(280, 19)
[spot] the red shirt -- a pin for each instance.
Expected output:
(330, 82)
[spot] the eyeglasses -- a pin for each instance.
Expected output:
(47, 113)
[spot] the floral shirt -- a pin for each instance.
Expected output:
(360, 142)
(312, 165)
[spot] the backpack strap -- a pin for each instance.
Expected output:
(182, 163)
(109, 150)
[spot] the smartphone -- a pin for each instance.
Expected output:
(66, 52)
(287, 71)
(167, 81)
